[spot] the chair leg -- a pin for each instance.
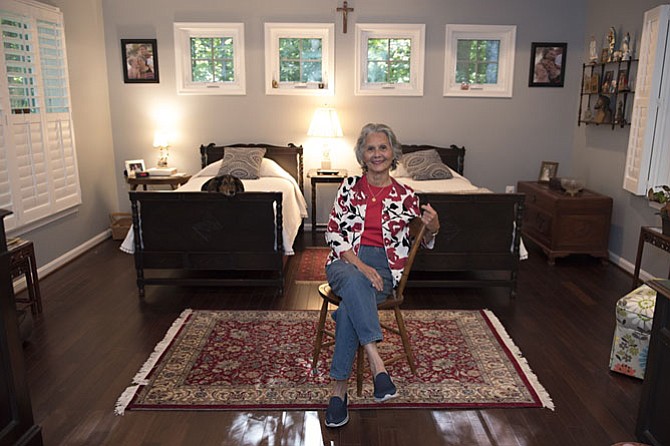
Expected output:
(360, 355)
(405, 339)
(319, 334)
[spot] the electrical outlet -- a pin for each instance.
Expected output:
(510, 189)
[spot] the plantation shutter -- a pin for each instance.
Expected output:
(40, 163)
(646, 154)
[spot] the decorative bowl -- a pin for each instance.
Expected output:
(572, 186)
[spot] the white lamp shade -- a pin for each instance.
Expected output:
(325, 124)
(161, 139)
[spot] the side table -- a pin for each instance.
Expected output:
(317, 178)
(174, 181)
(22, 262)
(653, 236)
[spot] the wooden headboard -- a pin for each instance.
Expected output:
(290, 157)
(453, 156)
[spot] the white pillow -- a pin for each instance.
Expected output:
(210, 170)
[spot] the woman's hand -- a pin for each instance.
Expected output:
(372, 275)
(430, 219)
(368, 271)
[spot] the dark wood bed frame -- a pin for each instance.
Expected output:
(207, 239)
(479, 238)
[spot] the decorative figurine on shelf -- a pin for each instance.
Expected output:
(625, 47)
(593, 51)
(618, 117)
(611, 42)
(588, 115)
(603, 112)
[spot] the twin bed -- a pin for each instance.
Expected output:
(188, 237)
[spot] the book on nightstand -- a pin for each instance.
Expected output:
(162, 171)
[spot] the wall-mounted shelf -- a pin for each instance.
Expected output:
(615, 82)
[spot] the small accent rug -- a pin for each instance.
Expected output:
(244, 360)
(312, 267)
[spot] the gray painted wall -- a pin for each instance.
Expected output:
(600, 153)
(506, 139)
(93, 134)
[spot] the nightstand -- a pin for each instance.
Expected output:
(174, 181)
(317, 178)
(561, 224)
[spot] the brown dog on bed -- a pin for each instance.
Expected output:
(228, 185)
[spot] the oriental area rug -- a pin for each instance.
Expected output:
(248, 360)
(312, 266)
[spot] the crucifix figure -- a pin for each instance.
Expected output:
(345, 10)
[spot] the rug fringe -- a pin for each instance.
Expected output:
(544, 396)
(140, 378)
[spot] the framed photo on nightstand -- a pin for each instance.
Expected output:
(134, 166)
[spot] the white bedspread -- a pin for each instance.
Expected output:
(273, 179)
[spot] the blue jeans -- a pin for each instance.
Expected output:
(357, 321)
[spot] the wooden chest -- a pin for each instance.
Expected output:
(562, 225)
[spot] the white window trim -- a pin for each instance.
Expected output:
(507, 36)
(415, 32)
(276, 31)
(182, 34)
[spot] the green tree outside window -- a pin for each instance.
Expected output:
(300, 60)
(389, 61)
(477, 61)
(212, 59)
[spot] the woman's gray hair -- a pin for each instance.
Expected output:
(377, 128)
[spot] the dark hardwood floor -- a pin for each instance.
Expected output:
(95, 333)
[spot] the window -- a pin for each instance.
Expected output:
(479, 60)
(299, 59)
(210, 58)
(38, 167)
(389, 59)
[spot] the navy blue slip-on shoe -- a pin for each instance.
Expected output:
(337, 414)
(384, 388)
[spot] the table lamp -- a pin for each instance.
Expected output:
(161, 141)
(325, 124)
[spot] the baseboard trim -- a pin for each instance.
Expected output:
(20, 284)
(628, 267)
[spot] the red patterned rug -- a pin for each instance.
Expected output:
(312, 267)
(244, 360)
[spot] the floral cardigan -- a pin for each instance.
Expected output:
(347, 218)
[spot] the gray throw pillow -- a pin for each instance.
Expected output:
(426, 165)
(242, 162)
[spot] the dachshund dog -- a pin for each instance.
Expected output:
(228, 185)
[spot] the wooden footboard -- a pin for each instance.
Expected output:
(208, 239)
(479, 236)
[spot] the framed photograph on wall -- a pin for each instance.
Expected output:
(548, 170)
(547, 64)
(134, 166)
(139, 58)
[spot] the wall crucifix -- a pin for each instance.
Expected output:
(345, 10)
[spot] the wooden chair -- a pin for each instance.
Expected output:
(393, 301)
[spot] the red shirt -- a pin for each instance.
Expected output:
(372, 232)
